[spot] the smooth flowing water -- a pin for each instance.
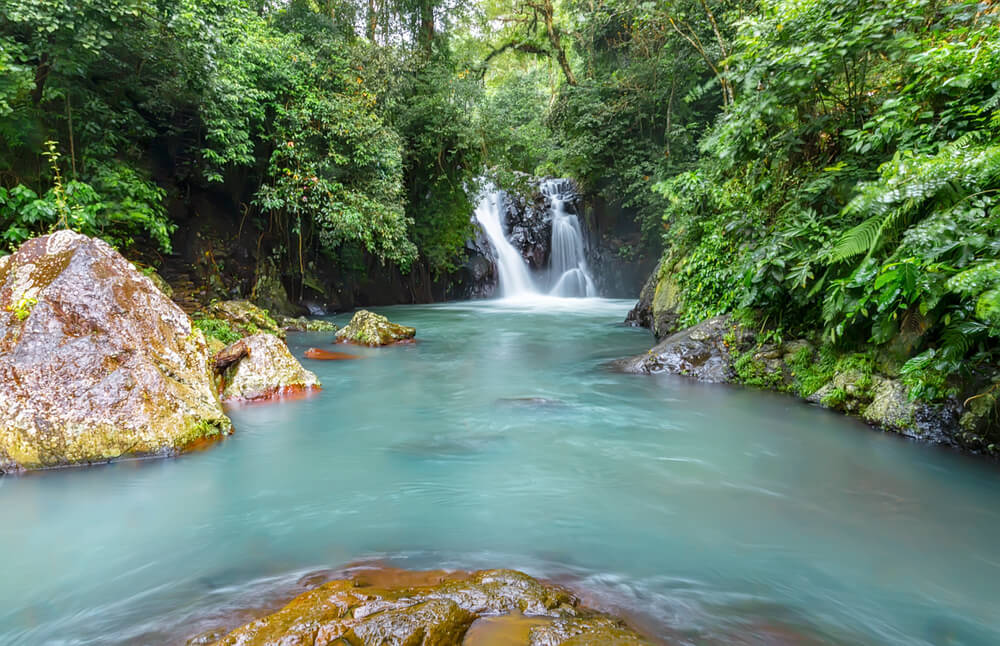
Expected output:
(568, 266)
(514, 279)
(568, 275)
(708, 514)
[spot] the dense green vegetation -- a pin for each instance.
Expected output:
(852, 184)
(822, 165)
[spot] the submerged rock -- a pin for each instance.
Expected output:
(438, 612)
(531, 402)
(266, 370)
(325, 355)
(700, 352)
(367, 328)
(96, 363)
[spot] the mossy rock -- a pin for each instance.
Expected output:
(269, 292)
(373, 330)
(245, 318)
(666, 305)
(102, 365)
(701, 352)
(268, 370)
(303, 324)
(352, 612)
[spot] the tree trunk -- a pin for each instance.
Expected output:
(427, 24)
(372, 19)
(556, 41)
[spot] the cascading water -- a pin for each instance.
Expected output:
(568, 264)
(568, 273)
(514, 277)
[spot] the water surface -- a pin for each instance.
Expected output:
(709, 514)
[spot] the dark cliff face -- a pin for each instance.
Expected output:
(477, 277)
(527, 222)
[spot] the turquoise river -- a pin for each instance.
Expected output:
(704, 514)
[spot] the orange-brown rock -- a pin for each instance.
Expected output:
(325, 355)
(266, 370)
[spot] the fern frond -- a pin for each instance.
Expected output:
(858, 240)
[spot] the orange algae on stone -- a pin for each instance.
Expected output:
(325, 355)
(378, 606)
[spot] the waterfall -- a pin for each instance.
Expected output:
(568, 271)
(514, 277)
(568, 275)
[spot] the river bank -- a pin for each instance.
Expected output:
(869, 383)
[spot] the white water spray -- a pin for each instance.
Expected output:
(515, 281)
(568, 272)
(568, 265)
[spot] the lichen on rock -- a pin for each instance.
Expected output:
(269, 292)
(660, 304)
(367, 328)
(303, 324)
(265, 369)
(102, 365)
(350, 611)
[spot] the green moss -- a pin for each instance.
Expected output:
(811, 369)
(754, 372)
(834, 398)
(217, 329)
(23, 308)
(201, 430)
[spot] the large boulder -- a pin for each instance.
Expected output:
(368, 328)
(424, 613)
(478, 276)
(96, 363)
(528, 227)
(701, 352)
(263, 368)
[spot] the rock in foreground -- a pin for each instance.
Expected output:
(421, 613)
(96, 363)
(264, 369)
(367, 328)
